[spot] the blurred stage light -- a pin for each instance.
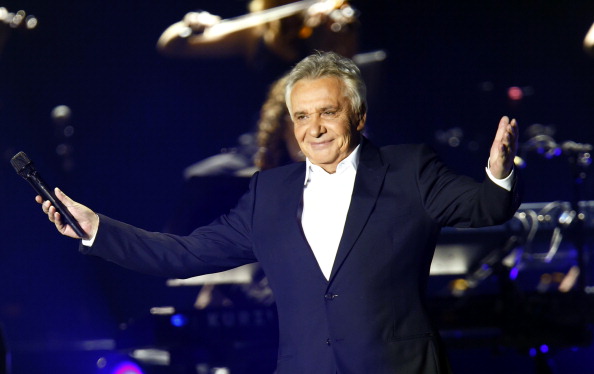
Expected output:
(459, 286)
(519, 162)
(117, 363)
(515, 93)
(513, 273)
(589, 41)
(61, 114)
(152, 356)
(179, 320)
(127, 368)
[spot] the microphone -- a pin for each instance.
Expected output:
(24, 167)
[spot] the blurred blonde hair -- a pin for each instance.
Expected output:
(272, 149)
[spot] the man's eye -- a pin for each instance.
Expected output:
(329, 113)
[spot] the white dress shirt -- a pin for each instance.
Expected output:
(326, 201)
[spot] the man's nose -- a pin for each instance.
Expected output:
(316, 127)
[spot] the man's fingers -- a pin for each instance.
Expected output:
(51, 213)
(502, 129)
(62, 196)
(513, 133)
(507, 131)
(503, 122)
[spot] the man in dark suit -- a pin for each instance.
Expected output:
(346, 238)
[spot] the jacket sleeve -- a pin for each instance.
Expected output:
(224, 244)
(460, 201)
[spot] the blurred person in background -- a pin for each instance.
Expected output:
(273, 36)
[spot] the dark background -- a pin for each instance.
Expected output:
(140, 118)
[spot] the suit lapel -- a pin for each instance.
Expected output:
(368, 182)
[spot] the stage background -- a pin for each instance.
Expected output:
(139, 119)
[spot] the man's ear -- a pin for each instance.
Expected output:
(361, 124)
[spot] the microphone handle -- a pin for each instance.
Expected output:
(39, 185)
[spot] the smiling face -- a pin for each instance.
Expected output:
(326, 127)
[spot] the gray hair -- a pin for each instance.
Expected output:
(330, 64)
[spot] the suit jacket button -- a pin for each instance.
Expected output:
(328, 341)
(330, 296)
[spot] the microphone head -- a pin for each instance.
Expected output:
(20, 162)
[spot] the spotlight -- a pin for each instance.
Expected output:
(179, 320)
(127, 368)
(116, 363)
(515, 93)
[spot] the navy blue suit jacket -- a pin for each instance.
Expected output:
(369, 316)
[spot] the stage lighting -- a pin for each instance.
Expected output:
(589, 41)
(179, 320)
(115, 363)
(515, 93)
(127, 368)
